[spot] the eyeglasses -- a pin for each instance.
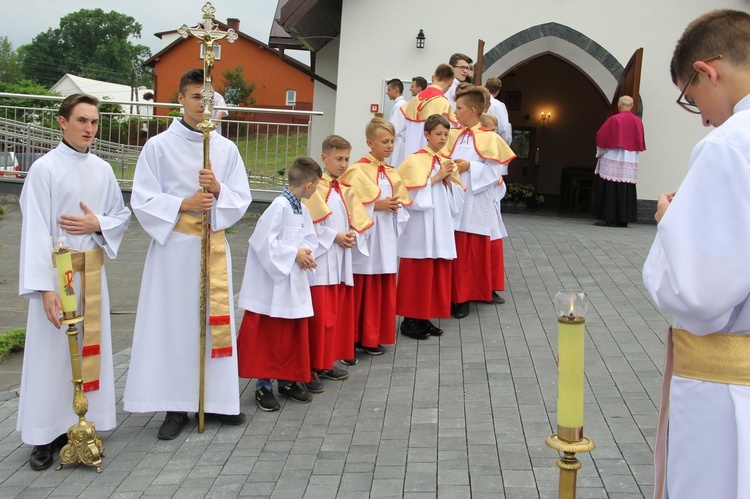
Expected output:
(463, 68)
(683, 102)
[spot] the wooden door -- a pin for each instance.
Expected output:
(630, 83)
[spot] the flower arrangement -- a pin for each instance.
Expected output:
(522, 192)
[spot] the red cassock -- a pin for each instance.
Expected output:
(497, 267)
(471, 279)
(332, 327)
(375, 309)
(424, 288)
(273, 348)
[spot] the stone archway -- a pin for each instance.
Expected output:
(599, 66)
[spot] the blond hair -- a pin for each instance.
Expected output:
(376, 124)
(488, 121)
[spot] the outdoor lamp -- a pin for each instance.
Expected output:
(571, 307)
(420, 39)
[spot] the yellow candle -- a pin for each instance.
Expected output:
(536, 156)
(65, 278)
(570, 336)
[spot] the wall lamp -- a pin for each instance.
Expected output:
(420, 39)
(546, 117)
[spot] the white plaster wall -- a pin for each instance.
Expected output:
(324, 99)
(378, 41)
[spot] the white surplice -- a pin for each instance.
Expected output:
(163, 374)
(697, 269)
(56, 185)
(398, 121)
(380, 256)
(500, 112)
(429, 229)
(334, 261)
(274, 284)
(450, 94)
(481, 180)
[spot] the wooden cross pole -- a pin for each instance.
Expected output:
(207, 33)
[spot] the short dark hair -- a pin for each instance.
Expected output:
(494, 85)
(420, 81)
(303, 170)
(720, 32)
(473, 96)
(443, 72)
(192, 77)
(396, 83)
(434, 120)
(459, 57)
(71, 101)
(335, 142)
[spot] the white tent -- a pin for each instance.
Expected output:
(104, 91)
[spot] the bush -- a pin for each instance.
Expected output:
(12, 341)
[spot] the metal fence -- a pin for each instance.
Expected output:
(268, 139)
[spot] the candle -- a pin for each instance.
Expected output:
(570, 336)
(571, 307)
(536, 156)
(64, 263)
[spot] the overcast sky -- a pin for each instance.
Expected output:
(24, 19)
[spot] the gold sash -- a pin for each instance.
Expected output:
(89, 264)
(716, 357)
(218, 288)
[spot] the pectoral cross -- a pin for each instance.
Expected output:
(207, 32)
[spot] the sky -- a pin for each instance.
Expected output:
(36, 16)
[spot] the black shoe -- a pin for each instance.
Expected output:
(227, 419)
(315, 385)
(460, 310)
(334, 373)
(605, 224)
(432, 329)
(266, 401)
(623, 224)
(496, 298)
(41, 457)
(378, 350)
(172, 425)
(61, 441)
(414, 328)
(350, 362)
(295, 393)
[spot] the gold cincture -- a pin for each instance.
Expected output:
(716, 357)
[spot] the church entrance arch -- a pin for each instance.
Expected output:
(555, 70)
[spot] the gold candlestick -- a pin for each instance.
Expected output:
(83, 446)
(571, 307)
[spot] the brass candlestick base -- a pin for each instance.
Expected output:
(83, 446)
(568, 464)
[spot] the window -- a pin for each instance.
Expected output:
(217, 51)
(291, 97)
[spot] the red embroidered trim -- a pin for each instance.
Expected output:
(91, 386)
(218, 320)
(221, 352)
(90, 350)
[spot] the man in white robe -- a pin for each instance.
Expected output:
(697, 270)
(395, 93)
(498, 110)
(163, 374)
(69, 191)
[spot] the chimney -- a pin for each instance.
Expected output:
(233, 23)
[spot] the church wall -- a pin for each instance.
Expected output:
(378, 41)
(327, 66)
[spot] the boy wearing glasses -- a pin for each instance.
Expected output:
(697, 270)
(461, 64)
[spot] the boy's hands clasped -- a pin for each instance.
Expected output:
(305, 259)
(388, 204)
(346, 239)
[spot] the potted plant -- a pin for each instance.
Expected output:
(517, 197)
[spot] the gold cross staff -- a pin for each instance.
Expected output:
(207, 32)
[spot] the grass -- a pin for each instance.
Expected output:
(12, 341)
(264, 157)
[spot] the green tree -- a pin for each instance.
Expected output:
(10, 70)
(238, 88)
(89, 43)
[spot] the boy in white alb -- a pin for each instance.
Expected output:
(427, 244)
(168, 199)
(340, 218)
(381, 189)
(273, 342)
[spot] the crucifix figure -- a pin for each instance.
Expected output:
(207, 33)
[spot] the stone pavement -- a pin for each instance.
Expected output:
(464, 415)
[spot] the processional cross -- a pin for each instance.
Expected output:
(207, 32)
